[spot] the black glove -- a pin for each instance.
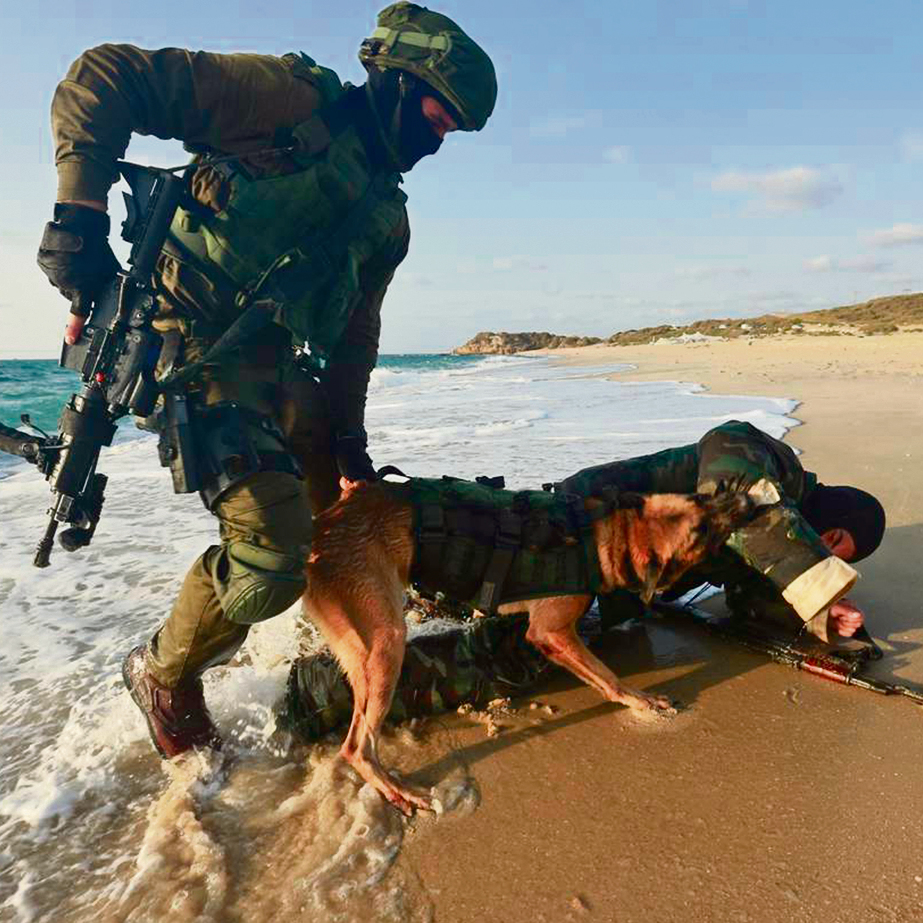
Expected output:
(75, 253)
(352, 458)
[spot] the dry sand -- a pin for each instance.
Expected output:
(775, 795)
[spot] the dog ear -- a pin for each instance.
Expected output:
(651, 580)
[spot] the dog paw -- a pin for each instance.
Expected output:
(660, 705)
(643, 703)
(408, 799)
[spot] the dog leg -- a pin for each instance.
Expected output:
(368, 641)
(552, 630)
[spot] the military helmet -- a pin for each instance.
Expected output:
(432, 47)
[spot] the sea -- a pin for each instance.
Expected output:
(93, 826)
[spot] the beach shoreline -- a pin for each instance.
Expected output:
(774, 795)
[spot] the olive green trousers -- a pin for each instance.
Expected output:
(256, 570)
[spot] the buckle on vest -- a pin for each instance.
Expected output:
(509, 529)
(431, 527)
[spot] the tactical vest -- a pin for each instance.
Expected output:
(486, 546)
(298, 234)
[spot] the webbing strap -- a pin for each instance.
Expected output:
(508, 540)
(583, 519)
(390, 37)
(385, 470)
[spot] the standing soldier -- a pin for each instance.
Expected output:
(307, 219)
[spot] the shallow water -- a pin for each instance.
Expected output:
(94, 826)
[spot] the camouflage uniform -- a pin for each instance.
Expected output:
(471, 664)
(776, 568)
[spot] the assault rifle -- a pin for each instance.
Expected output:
(826, 665)
(116, 356)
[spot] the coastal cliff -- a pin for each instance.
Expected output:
(505, 344)
(880, 315)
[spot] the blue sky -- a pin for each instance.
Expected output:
(648, 163)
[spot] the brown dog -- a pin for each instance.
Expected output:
(361, 561)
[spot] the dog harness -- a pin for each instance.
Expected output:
(480, 544)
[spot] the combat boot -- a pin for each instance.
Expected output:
(177, 719)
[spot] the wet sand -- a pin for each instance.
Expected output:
(775, 795)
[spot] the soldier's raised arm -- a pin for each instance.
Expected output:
(231, 102)
(779, 543)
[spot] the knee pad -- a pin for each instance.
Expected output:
(254, 583)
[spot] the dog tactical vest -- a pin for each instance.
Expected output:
(296, 228)
(485, 546)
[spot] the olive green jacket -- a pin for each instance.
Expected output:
(232, 103)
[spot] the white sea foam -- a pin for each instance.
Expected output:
(81, 791)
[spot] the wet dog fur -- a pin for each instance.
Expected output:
(360, 565)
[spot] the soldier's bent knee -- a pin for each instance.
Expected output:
(254, 583)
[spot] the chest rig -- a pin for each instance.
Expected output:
(485, 546)
(295, 229)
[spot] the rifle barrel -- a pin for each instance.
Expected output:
(16, 442)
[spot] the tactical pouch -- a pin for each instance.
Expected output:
(232, 443)
(210, 449)
(176, 446)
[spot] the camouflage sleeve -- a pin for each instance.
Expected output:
(778, 543)
(346, 377)
(232, 102)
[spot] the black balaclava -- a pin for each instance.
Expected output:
(397, 99)
(849, 508)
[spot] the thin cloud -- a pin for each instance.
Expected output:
(819, 264)
(898, 236)
(698, 272)
(619, 153)
(866, 264)
(557, 126)
(795, 189)
(510, 263)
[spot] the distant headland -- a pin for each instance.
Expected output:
(880, 315)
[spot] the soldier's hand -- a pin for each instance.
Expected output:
(74, 328)
(352, 457)
(76, 257)
(845, 618)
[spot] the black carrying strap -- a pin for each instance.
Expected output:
(507, 542)
(385, 470)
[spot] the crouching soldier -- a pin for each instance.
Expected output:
(295, 205)
(786, 570)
